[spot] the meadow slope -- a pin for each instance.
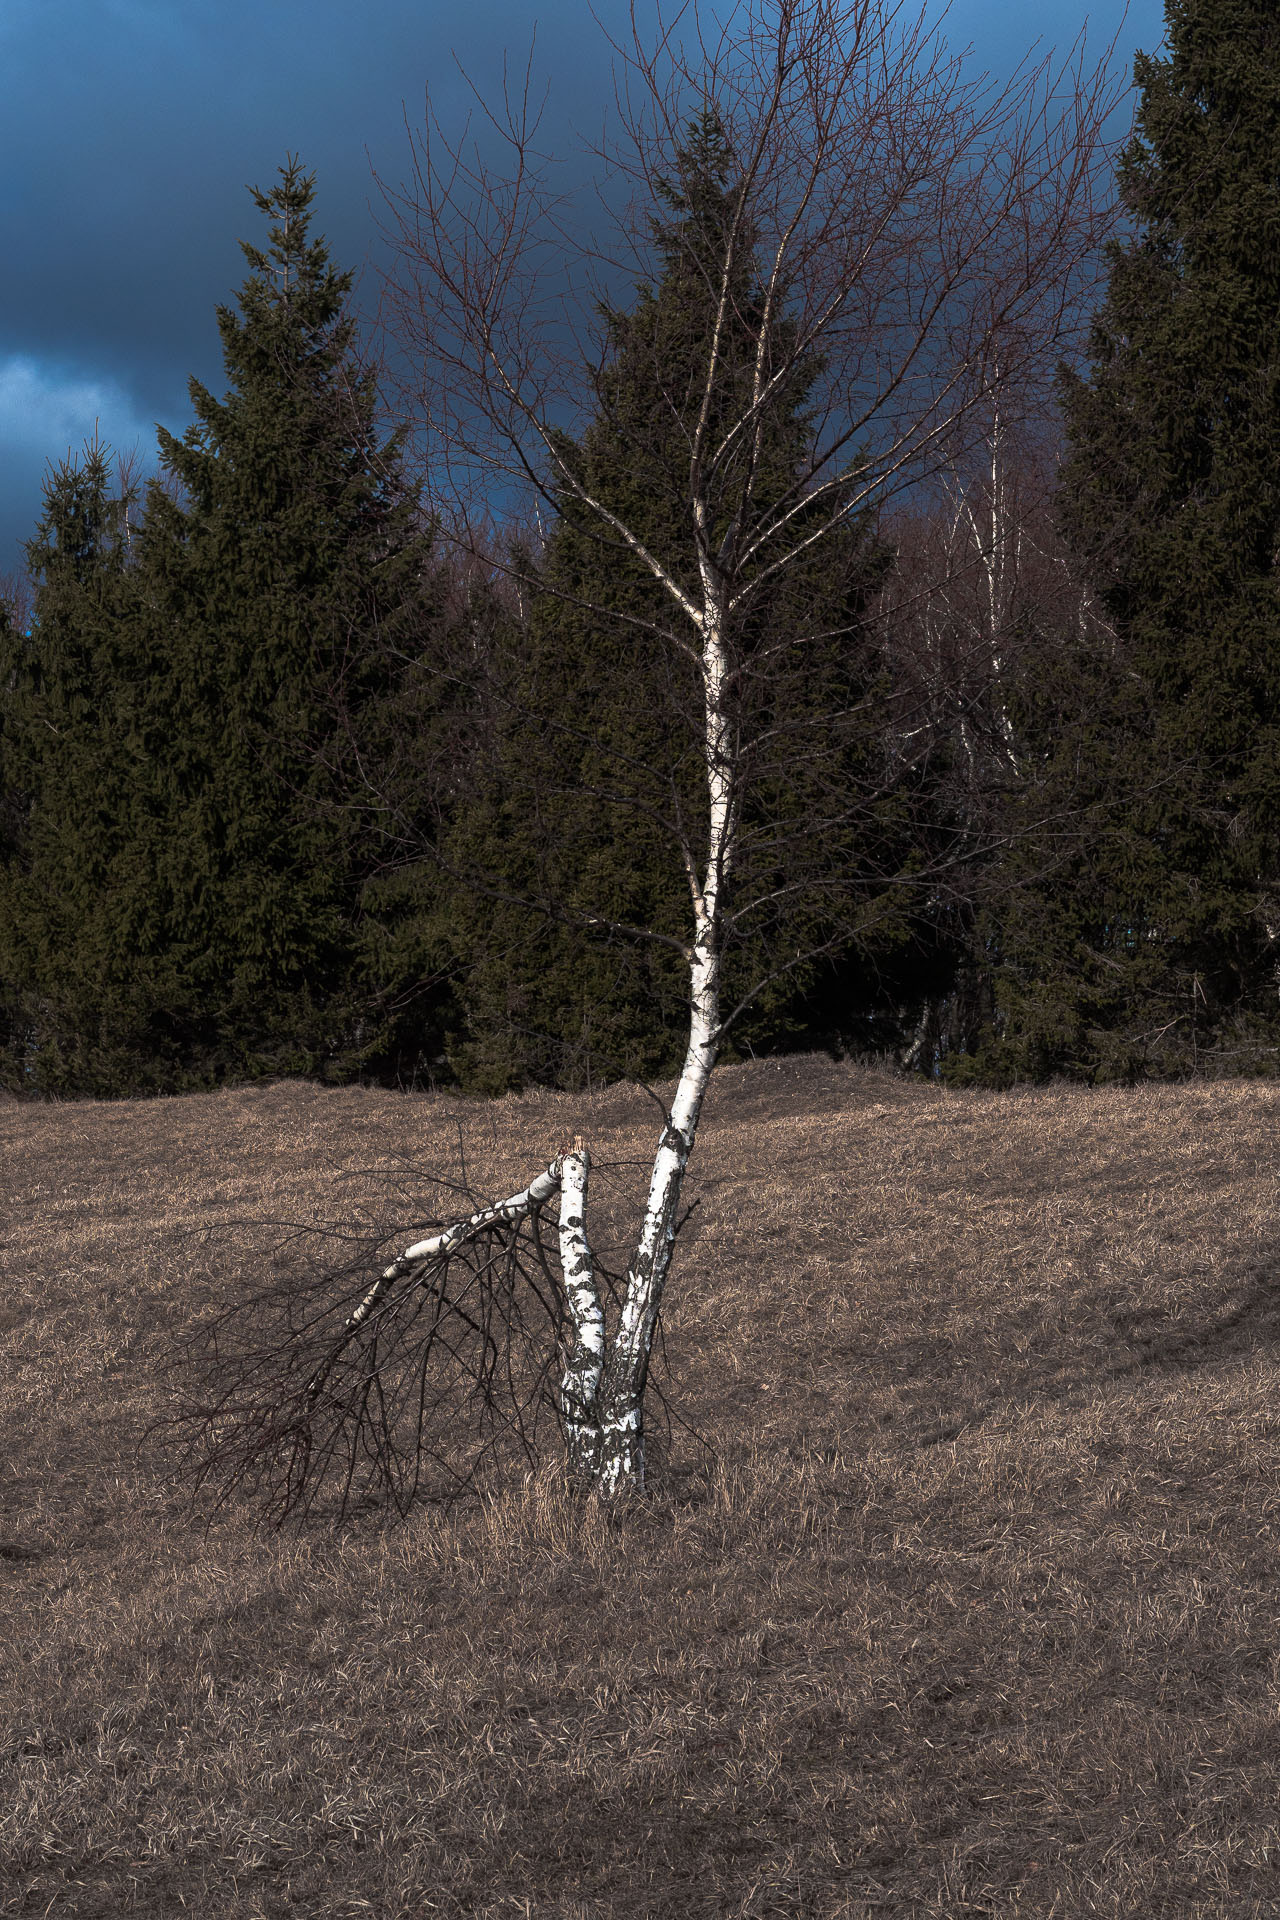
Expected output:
(972, 1606)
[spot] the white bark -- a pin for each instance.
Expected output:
(602, 1384)
(584, 1363)
(443, 1243)
(515, 1208)
(622, 1437)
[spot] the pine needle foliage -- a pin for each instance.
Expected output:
(286, 561)
(1171, 493)
(189, 824)
(73, 885)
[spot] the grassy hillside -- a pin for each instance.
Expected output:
(975, 1608)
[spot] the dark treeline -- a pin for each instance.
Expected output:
(290, 786)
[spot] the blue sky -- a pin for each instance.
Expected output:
(131, 128)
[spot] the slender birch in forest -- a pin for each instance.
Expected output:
(870, 232)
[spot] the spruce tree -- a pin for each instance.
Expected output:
(12, 803)
(1171, 492)
(595, 744)
(76, 894)
(287, 565)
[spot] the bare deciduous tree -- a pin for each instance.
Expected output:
(983, 611)
(982, 579)
(904, 245)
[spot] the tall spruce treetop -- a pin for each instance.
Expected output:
(284, 556)
(1172, 494)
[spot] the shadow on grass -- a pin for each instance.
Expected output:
(1109, 1336)
(1161, 1342)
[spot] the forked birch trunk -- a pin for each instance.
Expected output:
(602, 1388)
(626, 1369)
(605, 1372)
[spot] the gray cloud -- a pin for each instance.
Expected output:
(48, 412)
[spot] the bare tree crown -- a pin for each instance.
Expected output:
(930, 237)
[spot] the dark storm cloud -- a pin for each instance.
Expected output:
(132, 126)
(131, 129)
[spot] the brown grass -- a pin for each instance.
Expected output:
(974, 1612)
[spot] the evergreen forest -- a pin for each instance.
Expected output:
(291, 784)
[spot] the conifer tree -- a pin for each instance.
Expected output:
(1172, 495)
(77, 779)
(286, 562)
(596, 751)
(12, 805)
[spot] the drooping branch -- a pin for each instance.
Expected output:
(327, 1386)
(415, 1259)
(328, 1390)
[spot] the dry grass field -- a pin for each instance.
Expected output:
(974, 1608)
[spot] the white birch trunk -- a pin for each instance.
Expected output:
(584, 1361)
(622, 1463)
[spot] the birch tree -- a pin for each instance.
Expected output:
(901, 243)
(987, 619)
